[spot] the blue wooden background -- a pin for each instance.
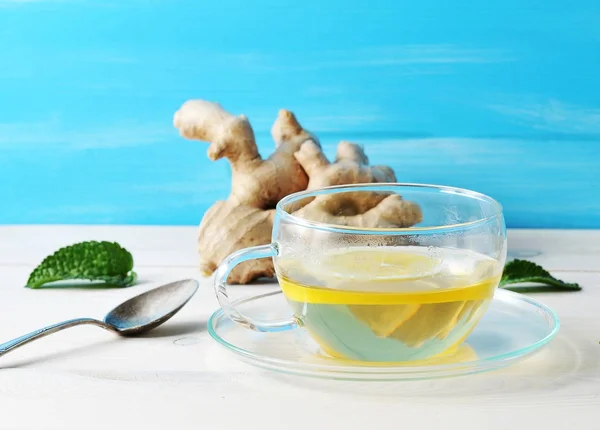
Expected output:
(500, 96)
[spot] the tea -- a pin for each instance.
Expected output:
(390, 303)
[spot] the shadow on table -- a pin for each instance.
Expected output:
(168, 330)
(176, 329)
(87, 285)
(568, 360)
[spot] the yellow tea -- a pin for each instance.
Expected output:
(390, 303)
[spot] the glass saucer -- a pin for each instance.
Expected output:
(514, 327)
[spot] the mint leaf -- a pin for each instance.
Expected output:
(95, 261)
(522, 271)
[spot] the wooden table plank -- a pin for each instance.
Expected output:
(557, 249)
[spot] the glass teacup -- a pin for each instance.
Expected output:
(374, 292)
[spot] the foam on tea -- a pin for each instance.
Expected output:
(390, 303)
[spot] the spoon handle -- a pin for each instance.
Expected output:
(34, 335)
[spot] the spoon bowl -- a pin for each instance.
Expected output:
(148, 310)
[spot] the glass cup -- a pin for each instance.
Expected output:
(373, 287)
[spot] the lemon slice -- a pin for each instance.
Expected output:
(383, 320)
(381, 263)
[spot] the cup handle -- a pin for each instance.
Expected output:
(223, 271)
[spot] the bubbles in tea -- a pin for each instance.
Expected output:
(390, 303)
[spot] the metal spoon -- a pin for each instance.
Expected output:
(132, 317)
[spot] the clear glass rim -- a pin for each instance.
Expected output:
(386, 186)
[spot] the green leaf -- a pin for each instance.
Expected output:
(94, 261)
(522, 271)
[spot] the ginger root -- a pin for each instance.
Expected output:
(391, 211)
(255, 182)
(227, 227)
(297, 163)
(357, 209)
(246, 217)
(287, 130)
(350, 166)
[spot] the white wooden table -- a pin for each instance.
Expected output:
(178, 378)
